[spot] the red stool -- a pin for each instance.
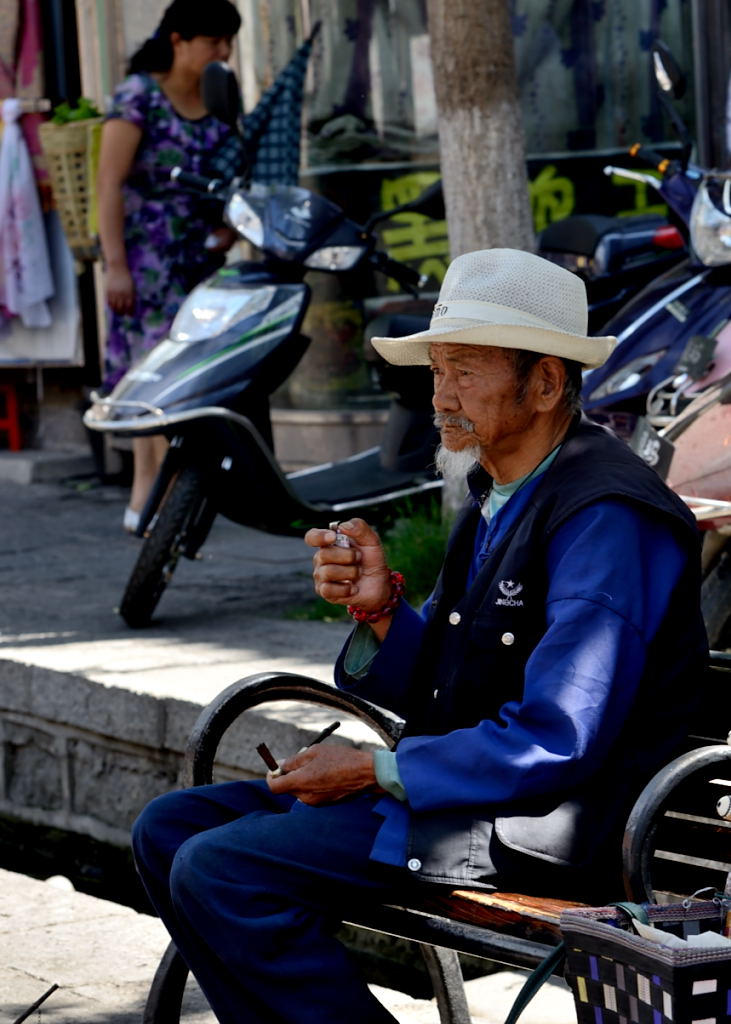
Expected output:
(9, 423)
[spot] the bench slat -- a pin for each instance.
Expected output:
(531, 917)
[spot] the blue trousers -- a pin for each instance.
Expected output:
(250, 886)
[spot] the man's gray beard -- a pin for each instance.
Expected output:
(455, 465)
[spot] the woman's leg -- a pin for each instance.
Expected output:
(148, 454)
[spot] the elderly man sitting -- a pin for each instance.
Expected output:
(546, 679)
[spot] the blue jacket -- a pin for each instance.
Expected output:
(543, 696)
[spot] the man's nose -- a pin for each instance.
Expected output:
(445, 395)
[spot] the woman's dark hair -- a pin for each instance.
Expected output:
(190, 18)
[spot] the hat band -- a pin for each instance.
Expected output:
(492, 313)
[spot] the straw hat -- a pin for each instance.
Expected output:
(511, 299)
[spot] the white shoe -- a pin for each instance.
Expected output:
(131, 520)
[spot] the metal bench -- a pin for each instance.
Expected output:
(674, 845)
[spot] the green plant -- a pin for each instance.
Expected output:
(64, 113)
(415, 545)
(414, 541)
(317, 610)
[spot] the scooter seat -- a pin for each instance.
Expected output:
(355, 479)
(582, 233)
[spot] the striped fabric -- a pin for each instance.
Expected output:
(271, 131)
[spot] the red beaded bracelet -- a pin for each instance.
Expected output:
(398, 588)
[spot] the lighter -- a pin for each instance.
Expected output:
(341, 541)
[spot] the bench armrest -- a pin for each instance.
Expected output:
(674, 841)
(265, 687)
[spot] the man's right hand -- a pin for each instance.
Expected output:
(355, 575)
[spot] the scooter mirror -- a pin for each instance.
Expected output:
(668, 73)
(220, 92)
(430, 202)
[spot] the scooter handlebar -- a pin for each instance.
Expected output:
(406, 276)
(197, 182)
(651, 157)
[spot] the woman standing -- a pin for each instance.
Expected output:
(158, 240)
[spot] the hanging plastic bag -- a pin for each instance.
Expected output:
(26, 282)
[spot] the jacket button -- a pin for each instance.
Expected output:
(435, 694)
(414, 864)
(454, 618)
(507, 639)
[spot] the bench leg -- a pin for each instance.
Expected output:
(165, 998)
(446, 978)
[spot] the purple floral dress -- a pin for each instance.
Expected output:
(165, 225)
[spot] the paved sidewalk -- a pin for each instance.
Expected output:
(64, 563)
(103, 956)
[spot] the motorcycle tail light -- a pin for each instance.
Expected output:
(668, 237)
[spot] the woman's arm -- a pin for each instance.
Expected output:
(119, 143)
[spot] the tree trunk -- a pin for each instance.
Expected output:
(481, 139)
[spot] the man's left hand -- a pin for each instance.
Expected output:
(325, 774)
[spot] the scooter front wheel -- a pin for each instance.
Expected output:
(178, 520)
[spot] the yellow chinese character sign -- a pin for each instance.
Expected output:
(411, 237)
(556, 190)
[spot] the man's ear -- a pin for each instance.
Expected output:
(548, 382)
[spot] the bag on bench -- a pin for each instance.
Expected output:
(618, 975)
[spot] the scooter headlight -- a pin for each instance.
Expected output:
(628, 376)
(710, 220)
(335, 257)
(243, 218)
(210, 311)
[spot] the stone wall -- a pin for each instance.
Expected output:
(84, 757)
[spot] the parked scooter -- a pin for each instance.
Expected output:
(692, 450)
(685, 433)
(667, 386)
(614, 256)
(235, 339)
(668, 335)
(686, 437)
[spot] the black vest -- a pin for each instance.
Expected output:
(479, 640)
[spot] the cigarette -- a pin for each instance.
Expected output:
(324, 734)
(267, 757)
(269, 760)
